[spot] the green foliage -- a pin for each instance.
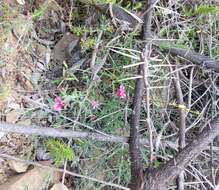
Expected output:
(40, 12)
(111, 115)
(59, 151)
(87, 43)
(167, 45)
(136, 7)
(93, 2)
(187, 11)
(206, 9)
(74, 97)
(77, 30)
(123, 164)
(157, 164)
(106, 1)
(200, 10)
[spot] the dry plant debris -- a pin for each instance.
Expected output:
(115, 94)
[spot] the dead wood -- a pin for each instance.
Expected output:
(161, 177)
(64, 133)
(201, 60)
(137, 181)
(181, 124)
(69, 133)
(137, 178)
(118, 13)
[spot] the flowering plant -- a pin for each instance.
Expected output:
(58, 104)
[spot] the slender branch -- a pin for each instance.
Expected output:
(64, 133)
(68, 133)
(164, 175)
(145, 58)
(182, 124)
(137, 177)
(95, 50)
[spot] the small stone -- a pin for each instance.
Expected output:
(60, 52)
(59, 186)
(19, 167)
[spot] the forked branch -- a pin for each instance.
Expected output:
(159, 179)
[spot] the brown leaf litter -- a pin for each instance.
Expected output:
(16, 70)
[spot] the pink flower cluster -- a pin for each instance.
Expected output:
(120, 92)
(58, 104)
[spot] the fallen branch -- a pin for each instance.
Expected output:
(62, 133)
(196, 58)
(69, 133)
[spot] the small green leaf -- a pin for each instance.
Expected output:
(157, 164)
(59, 151)
(206, 9)
(167, 45)
(39, 12)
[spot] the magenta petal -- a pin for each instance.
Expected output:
(117, 93)
(94, 104)
(123, 95)
(58, 99)
(122, 88)
(57, 107)
(120, 92)
(58, 104)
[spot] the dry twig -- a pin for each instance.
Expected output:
(145, 58)
(196, 58)
(182, 123)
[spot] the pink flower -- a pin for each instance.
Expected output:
(120, 92)
(58, 104)
(94, 104)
